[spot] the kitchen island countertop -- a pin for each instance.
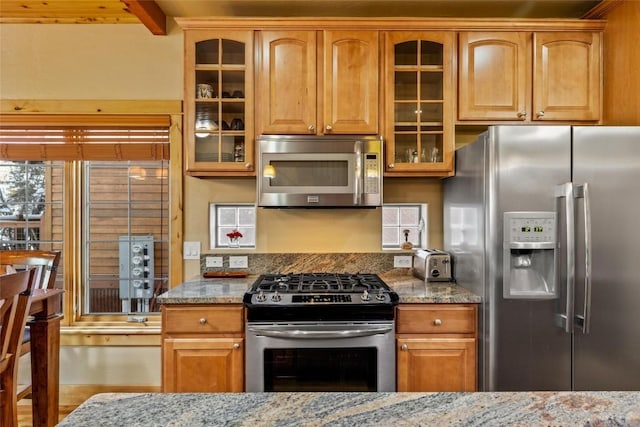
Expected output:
(231, 290)
(358, 409)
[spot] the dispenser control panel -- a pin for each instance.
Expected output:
(530, 226)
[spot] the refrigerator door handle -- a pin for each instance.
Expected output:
(584, 320)
(566, 191)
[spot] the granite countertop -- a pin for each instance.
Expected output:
(230, 291)
(358, 409)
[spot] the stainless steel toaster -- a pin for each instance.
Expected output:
(432, 265)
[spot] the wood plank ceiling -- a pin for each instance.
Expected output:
(153, 14)
(146, 12)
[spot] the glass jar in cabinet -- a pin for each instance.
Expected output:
(218, 103)
(419, 122)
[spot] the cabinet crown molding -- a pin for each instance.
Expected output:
(403, 24)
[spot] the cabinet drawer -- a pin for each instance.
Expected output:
(436, 319)
(203, 319)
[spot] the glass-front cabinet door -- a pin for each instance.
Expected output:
(419, 98)
(218, 103)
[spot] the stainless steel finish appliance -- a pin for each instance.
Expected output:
(432, 265)
(320, 332)
(319, 171)
(542, 222)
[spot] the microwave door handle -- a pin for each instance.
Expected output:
(319, 334)
(357, 181)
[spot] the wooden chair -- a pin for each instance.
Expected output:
(15, 294)
(45, 264)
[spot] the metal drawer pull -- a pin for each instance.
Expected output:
(203, 321)
(404, 347)
(236, 346)
(437, 322)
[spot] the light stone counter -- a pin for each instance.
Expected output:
(230, 291)
(358, 409)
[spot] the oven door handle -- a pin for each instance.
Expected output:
(275, 332)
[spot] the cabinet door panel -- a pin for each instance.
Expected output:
(287, 99)
(494, 76)
(567, 76)
(202, 365)
(436, 365)
(351, 82)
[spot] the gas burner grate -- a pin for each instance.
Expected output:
(319, 283)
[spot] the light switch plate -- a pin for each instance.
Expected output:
(213, 261)
(191, 250)
(238, 262)
(401, 261)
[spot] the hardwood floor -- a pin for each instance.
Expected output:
(26, 420)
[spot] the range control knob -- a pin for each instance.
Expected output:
(365, 296)
(276, 297)
(380, 295)
(261, 297)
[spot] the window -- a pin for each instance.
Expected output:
(225, 218)
(30, 212)
(96, 188)
(126, 240)
(404, 223)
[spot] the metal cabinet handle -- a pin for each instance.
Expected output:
(392, 165)
(404, 347)
(311, 128)
(437, 322)
(203, 321)
(248, 165)
(522, 115)
(540, 114)
(236, 346)
(329, 128)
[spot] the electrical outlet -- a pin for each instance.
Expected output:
(213, 261)
(402, 261)
(238, 262)
(191, 250)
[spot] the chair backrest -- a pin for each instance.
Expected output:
(15, 300)
(15, 297)
(44, 262)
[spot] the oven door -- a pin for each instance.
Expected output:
(320, 356)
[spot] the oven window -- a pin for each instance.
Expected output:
(300, 173)
(321, 369)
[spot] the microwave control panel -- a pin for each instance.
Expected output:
(371, 173)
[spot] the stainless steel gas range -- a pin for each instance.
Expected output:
(320, 332)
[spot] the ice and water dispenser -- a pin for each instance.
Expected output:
(529, 255)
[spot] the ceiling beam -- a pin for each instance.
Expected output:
(150, 14)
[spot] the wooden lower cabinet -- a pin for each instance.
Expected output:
(436, 347)
(202, 348)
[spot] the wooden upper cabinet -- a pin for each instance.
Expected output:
(218, 102)
(419, 103)
(350, 82)
(529, 77)
(318, 83)
(567, 76)
(287, 89)
(494, 76)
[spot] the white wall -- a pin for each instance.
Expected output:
(39, 62)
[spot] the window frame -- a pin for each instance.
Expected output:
(121, 113)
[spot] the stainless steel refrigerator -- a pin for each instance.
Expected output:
(544, 223)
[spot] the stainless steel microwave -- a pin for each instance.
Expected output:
(319, 171)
